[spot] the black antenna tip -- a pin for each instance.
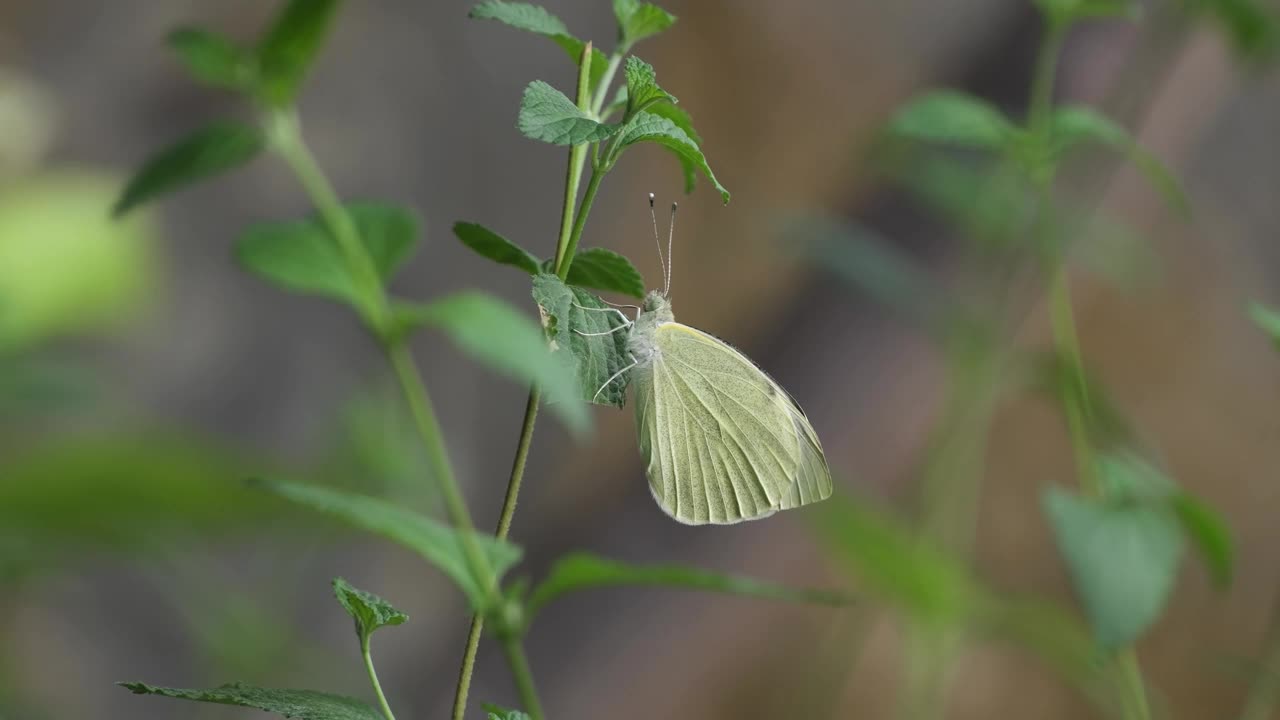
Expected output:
(650, 199)
(674, 206)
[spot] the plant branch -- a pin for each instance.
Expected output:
(373, 678)
(514, 649)
(566, 245)
(1066, 338)
(286, 139)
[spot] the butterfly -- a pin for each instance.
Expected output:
(722, 441)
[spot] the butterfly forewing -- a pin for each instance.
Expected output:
(724, 442)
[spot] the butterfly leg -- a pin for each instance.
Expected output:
(607, 332)
(615, 376)
(621, 314)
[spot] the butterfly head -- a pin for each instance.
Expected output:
(657, 305)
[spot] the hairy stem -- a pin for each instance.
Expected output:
(1067, 343)
(514, 650)
(286, 139)
(566, 245)
(373, 678)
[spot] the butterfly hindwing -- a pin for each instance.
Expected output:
(724, 442)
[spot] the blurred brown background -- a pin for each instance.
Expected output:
(415, 103)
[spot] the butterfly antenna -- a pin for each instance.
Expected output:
(654, 217)
(671, 236)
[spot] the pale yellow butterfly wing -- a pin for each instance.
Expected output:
(723, 441)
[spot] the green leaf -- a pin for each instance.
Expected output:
(594, 357)
(495, 247)
(1123, 560)
(369, 611)
(305, 257)
(642, 87)
(1127, 477)
(1064, 12)
(438, 544)
(501, 337)
(209, 151)
(601, 269)
(639, 20)
(680, 118)
(894, 562)
(66, 497)
(871, 263)
(584, 571)
(1253, 28)
(1056, 375)
(1267, 320)
(214, 59)
(952, 118)
(1076, 124)
(302, 704)
(1210, 535)
(546, 114)
(650, 127)
(500, 713)
(537, 20)
(290, 46)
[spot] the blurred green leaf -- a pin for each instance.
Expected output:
(1056, 375)
(1065, 12)
(1076, 124)
(895, 563)
(210, 151)
(642, 87)
(301, 704)
(574, 320)
(69, 496)
(47, 219)
(500, 713)
(31, 387)
(1128, 477)
(214, 59)
(584, 571)
(369, 611)
(290, 46)
(304, 256)
(537, 20)
(504, 339)
(867, 261)
(650, 127)
(639, 20)
(1123, 560)
(1210, 534)
(495, 247)
(1253, 28)
(546, 114)
(601, 269)
(438, 544)
(1267, 320)
(952, 118)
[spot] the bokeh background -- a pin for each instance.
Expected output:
(151, 374)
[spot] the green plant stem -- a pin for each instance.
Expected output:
(373, 678)
(566, 244)
(504, 528)
(285, 135)
(286, 139)
(602, 90)
(1066, 339)
(519, 663)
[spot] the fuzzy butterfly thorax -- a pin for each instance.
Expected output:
(641, 340)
